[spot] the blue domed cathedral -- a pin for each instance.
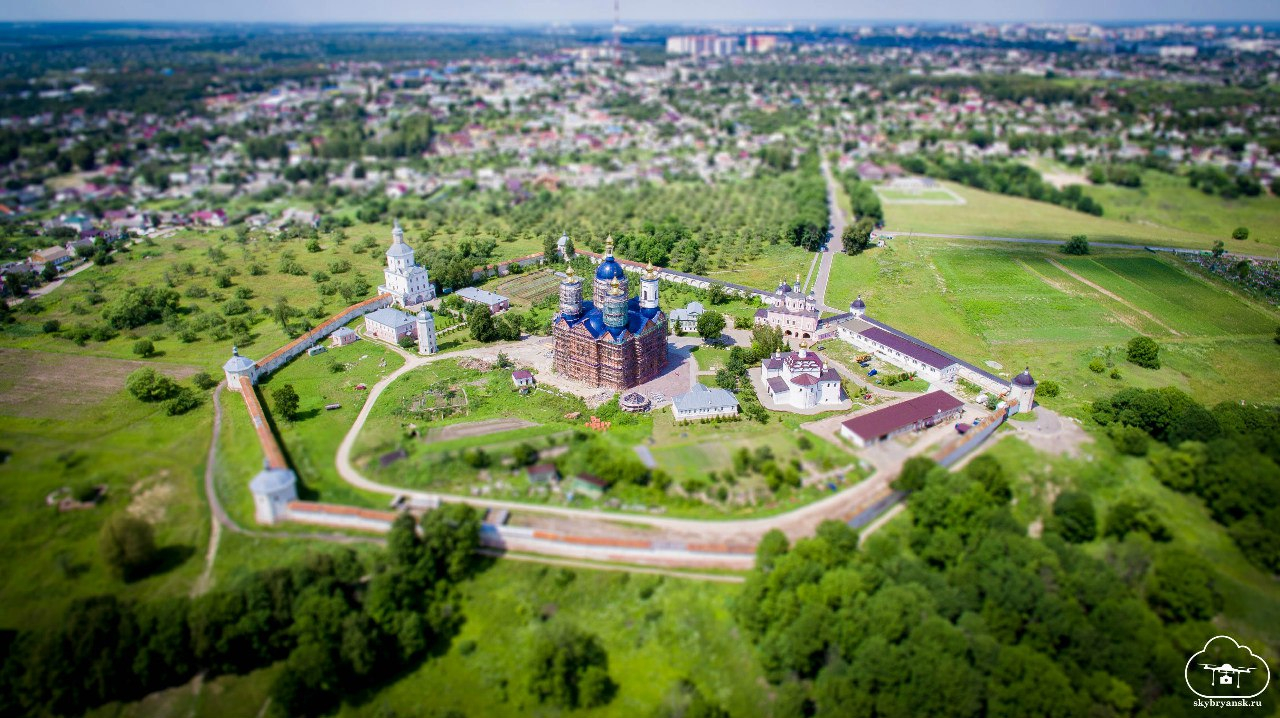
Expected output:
(612, 341)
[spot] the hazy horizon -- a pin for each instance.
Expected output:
(513, 12)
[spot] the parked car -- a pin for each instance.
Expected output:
(962, 428)
(873, 372)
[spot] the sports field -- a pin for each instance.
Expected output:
(1164, 215)
(1030, 305)
(894, 195)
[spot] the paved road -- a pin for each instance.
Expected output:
(46, 288)
(835, 244)
(1029, 240)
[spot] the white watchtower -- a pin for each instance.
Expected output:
(426, 332)
(236, 367)
(1023, 390)
(273, 490)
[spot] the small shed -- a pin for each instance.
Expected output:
(543, 473)
(589, 485)
(343, 337)
(522, 377)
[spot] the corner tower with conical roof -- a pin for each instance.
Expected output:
(404, 279)
(1023, 390)
(239, 366)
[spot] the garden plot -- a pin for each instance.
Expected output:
(529, 288)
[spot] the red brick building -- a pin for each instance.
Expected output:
(611, 342)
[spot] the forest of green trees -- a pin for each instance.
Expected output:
(972, 617)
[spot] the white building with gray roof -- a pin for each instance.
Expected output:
(703, 402)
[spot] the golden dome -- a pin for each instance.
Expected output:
(615, 289)
(650, 272)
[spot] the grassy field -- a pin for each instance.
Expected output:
(184, 262)
(311, 440)
(991, 214)
(1165, 200)
(1029, 305)
(900, 196)
(66, 436)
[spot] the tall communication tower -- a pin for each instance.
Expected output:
(617, 33)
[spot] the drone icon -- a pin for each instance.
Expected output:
(1225, 674)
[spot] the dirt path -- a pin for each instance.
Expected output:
(203, 583)
(1063, 287)
(1111, 295)
(569, 563)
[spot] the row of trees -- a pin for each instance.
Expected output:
(339, 626)
(1011, 178)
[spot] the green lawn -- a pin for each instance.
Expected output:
(79, 300)
(1012, 305)
(685, 452)
(908, 197)
(311, 440)
(991, 214)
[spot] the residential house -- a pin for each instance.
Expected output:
(703, 402)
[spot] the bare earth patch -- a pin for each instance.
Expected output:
(150, 498)
(44, 384)
(478, 428)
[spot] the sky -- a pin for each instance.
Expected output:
(637, 11)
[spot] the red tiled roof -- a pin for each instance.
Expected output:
(919, 352)
(336, 510)
(318, 331)
(270, 447)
